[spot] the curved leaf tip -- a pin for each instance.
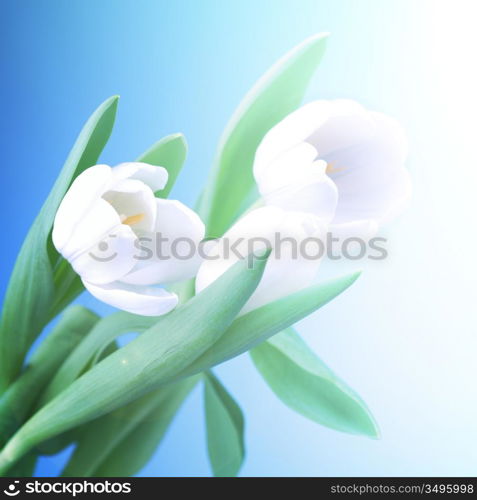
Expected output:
(305, 384)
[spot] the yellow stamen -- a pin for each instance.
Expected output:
(331, 169)
(133, 219)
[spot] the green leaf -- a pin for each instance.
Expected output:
(304, 383)
(31, 291)
(102, 335)
(225, 427)
(170, 152)
(121, 442)
(58, 443)
(135, 451)
(252, 328)
(20, 397)
(278, 93)
(68, 286)
(152, 359)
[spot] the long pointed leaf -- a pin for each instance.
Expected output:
(58, 443)
(278, 93)
(225, 427)
(170, 152)
(31, 291)
(304, 383)
(256, 326)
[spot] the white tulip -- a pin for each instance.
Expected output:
(100, 223)
(288, 268)
(337, 160)
(329, 166)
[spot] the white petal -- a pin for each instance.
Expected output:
(288, 167)
(78, 203)
(110, 258)
(366, 195)
(348, 123)
(99, 221)
(154, 177)
(292, 130)
(316, 195)
(286, 273)
(176, 256)
(280, 279)
(134, 201)
(142, 300)
(288, 269)
(294, 181)
(371, 179)
(253, 232)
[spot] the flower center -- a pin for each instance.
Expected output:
(331, 169)
(132, 219)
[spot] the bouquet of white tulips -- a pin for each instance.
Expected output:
(219, 286)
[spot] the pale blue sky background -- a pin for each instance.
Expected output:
(405, 335)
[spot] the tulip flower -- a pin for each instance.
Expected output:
(329, 166)
(101, 225)
(339, 161)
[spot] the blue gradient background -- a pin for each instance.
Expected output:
(405, 335)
